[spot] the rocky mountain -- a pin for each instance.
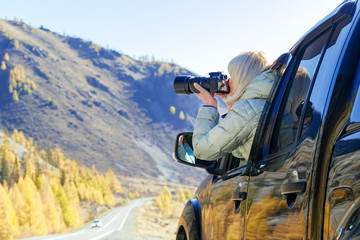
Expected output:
(99, 106)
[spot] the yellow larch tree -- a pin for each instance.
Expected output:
(164, 201)
(182, 115)
(3, 66)
(114, 183)
(30, 165)
(16, 43)
(18, 204)
(188, 194)
(15, 96)
(70, 191)
(6, 57)
(33, 209)
(172, 110)
(60, 196)
(51, 209)
(181, 197)
(9, 228)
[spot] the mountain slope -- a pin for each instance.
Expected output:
(101, 107)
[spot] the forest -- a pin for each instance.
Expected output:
(41, 190)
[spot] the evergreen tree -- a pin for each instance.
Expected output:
(4, 172)
(5, 157)
(16, 171)
(5, 148)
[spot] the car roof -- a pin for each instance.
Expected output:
(345, 9)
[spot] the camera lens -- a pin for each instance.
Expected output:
(184, 85)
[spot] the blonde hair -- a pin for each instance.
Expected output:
(242, 69)
(300, 87)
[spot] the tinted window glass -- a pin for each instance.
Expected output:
(292, 107)
(355, 114)
(319, 92)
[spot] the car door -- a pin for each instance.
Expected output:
(342, 201)
(280, 186)
(225, 210)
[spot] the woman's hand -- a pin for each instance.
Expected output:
(207, 97)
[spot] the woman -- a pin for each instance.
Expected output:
(250, 84)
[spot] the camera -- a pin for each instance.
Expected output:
(217, 82)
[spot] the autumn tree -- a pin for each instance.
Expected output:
(29, 165)
(3, 66)
(9, 225)
(181, 197)
(172, 110)
(188, 194)
(33, 217)
(51, 209)
(114, 183)
(4, 172)
(16, 43)
(6, 57)
(164, 201)
(5, 159)
(16, 171)
(15, 96)
(63, 202)
(181, 115)
(18, 204)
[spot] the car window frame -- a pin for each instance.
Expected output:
(289, 78)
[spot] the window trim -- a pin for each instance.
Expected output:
(300, 51)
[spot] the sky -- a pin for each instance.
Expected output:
(199, 35)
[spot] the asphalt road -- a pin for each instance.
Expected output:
(112, 222)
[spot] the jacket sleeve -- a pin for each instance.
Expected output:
(212, 140)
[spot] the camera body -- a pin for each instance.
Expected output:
(217, 82)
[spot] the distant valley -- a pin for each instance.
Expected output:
(99, 106)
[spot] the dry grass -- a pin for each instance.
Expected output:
(149, 187)
(150, 222)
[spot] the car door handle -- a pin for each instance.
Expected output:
(239, 196)
(293, 188)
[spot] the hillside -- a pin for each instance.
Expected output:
(100, 106)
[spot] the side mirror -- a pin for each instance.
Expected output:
(183, 152)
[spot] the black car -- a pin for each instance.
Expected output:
(302, 180)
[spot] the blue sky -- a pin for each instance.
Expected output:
(200, 35)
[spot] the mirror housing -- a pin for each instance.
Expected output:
(183, 153)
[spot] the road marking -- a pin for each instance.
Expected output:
(133, 205)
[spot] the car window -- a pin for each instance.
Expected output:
(316, 100)
(229, 162)
(355, 114)
(291, 108)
